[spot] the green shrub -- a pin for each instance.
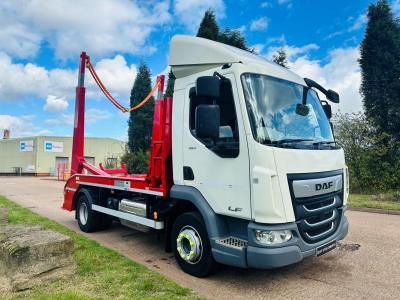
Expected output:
(373, 158)
(136, 162)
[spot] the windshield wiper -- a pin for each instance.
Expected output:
(319, 144)
(285, 142)
(290, 141)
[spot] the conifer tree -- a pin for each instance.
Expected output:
(208, 28)
(170, 84)
(280, 58)
(233, 38)
(140, 121)
(380, 66)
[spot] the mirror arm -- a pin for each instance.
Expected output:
(311, 83)
(222, 77)
(305, 92)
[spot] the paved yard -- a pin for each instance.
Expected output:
(367, 265)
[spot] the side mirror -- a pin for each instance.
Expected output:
(207, 121)
(332, 96)
(327, 109)
(208, 86)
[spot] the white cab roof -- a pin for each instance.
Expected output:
(189, 55)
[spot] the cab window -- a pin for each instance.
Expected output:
(227, 144)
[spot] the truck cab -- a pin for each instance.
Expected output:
(253, 144)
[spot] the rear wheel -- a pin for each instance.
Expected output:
(88, 219)
(191, 245)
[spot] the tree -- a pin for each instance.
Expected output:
(208, 27)
(209, 30)
(170, 84)
(380, 66)
(233, 38)
(280, 58)
(141, 120)
(366, 155)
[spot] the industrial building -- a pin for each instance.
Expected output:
(46, 155)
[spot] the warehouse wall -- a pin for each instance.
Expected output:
(99, 148)
(11, 157)
(44, 162)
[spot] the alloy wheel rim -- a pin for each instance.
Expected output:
(83, 213)
(189, 245)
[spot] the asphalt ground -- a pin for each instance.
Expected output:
(366, 265)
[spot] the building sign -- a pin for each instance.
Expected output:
(53, 146)
(30, 168)
(26, 146)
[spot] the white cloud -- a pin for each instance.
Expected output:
(54, 104)
(241, 29)
(288, 3)
(258, 48)
(359, 22)
(18, 40)
(21, 126)
(266, 4)
(101, 27)
(279, 39)
(93, 115)
(190, 12)
(292, 51)
(396, 7)
(19, 81)
(341, 73)
(259, 24)
(63, 119)
(116, 75)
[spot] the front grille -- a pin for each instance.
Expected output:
(317, 216)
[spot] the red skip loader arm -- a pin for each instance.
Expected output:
(156, 182)
(79, 122)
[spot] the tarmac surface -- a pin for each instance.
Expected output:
(366, 265)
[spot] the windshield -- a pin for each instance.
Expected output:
(278, 114)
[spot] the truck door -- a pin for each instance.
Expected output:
(221, 176)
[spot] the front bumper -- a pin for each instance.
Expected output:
(268, 258)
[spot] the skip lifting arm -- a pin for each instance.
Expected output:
(157, 181)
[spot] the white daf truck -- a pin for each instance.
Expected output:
(257, 178)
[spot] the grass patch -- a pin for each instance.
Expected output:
(373, 201)
(102, 273)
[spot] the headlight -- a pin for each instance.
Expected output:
(273, 237)
(347, 181)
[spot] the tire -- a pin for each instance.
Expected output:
(89, 220)
(191, 245)
(105, 221)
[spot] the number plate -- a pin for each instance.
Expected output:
(325, 248)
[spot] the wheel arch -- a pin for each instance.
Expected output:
(190, 199)
(89, 192)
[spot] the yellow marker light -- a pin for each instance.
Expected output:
(155, 215)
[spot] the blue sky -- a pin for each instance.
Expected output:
(41, 41)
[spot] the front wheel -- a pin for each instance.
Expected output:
(191, 245)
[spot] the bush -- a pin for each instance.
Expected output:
(136, 162)
(372, 158)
